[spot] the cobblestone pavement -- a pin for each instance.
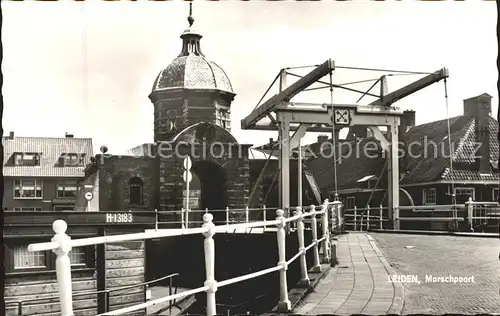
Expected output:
(442, 256)
(359, 284)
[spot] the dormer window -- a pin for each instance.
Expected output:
(72, 160)
(27, 159)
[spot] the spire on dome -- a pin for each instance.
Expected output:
(190, 38)
(190, 17)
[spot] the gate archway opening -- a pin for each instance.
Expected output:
(212, 185)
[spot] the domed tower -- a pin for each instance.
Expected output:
(190, 90)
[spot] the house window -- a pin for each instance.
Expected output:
(62, 208)
(470, 192)
(18, 259)
(350, 202)
(67, 189)
(28, 189)
(24, 259)
(27, 159)
(135, 190)
(78, 256)
(429, 196)
(495, 194)
(27, 209)
(72, 160)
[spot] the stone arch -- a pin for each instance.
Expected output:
(204, 132)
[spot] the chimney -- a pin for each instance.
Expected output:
(69, 135)
(407, 120)
(322, 139)
(11, 135)
(479, 108)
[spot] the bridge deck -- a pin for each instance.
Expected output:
(358, 285)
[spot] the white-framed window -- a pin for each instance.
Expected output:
(24, 259)
(27, 159)
(67, 189)
(429, 196)
(27, 209)
(78, 256)
(223, 118)
(28, 189)
(495, 194)
(471, 192)
(350, 202)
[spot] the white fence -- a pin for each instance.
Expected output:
(476, 214)
(61, 245)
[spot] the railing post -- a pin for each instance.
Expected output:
(264, 214)
(381, 217)
(304, 280)
(314, 227)
(227, 215)
(156, 219)
(246, 214)
(284, 304)
(63, 266)
(209, 247)
(470, 213)
(368, 219)
(355, 218)
(326, 234)
(183, 221)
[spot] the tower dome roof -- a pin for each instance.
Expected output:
(191, 70)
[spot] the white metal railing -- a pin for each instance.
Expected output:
(476, 214)
(61, 245)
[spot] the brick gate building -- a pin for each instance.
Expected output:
(192, 104)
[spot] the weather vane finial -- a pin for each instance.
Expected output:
(190, 17)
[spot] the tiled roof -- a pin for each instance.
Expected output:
(422, 165)
(50, 150)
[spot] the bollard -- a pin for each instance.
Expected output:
(470, 213)
(246, 214)
(227, 215)
(210, 263)
(326, 234)
(304, 280)
(314, 224)
(333, 254)
(284, 304)
(63, 266)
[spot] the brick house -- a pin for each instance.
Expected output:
(425, 176)
(43, 173)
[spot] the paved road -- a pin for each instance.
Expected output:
(444, 256)
(358, 285)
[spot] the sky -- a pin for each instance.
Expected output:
(88, 67)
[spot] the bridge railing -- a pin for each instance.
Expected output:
(61, 245)
(476, 213)
(106, 293)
